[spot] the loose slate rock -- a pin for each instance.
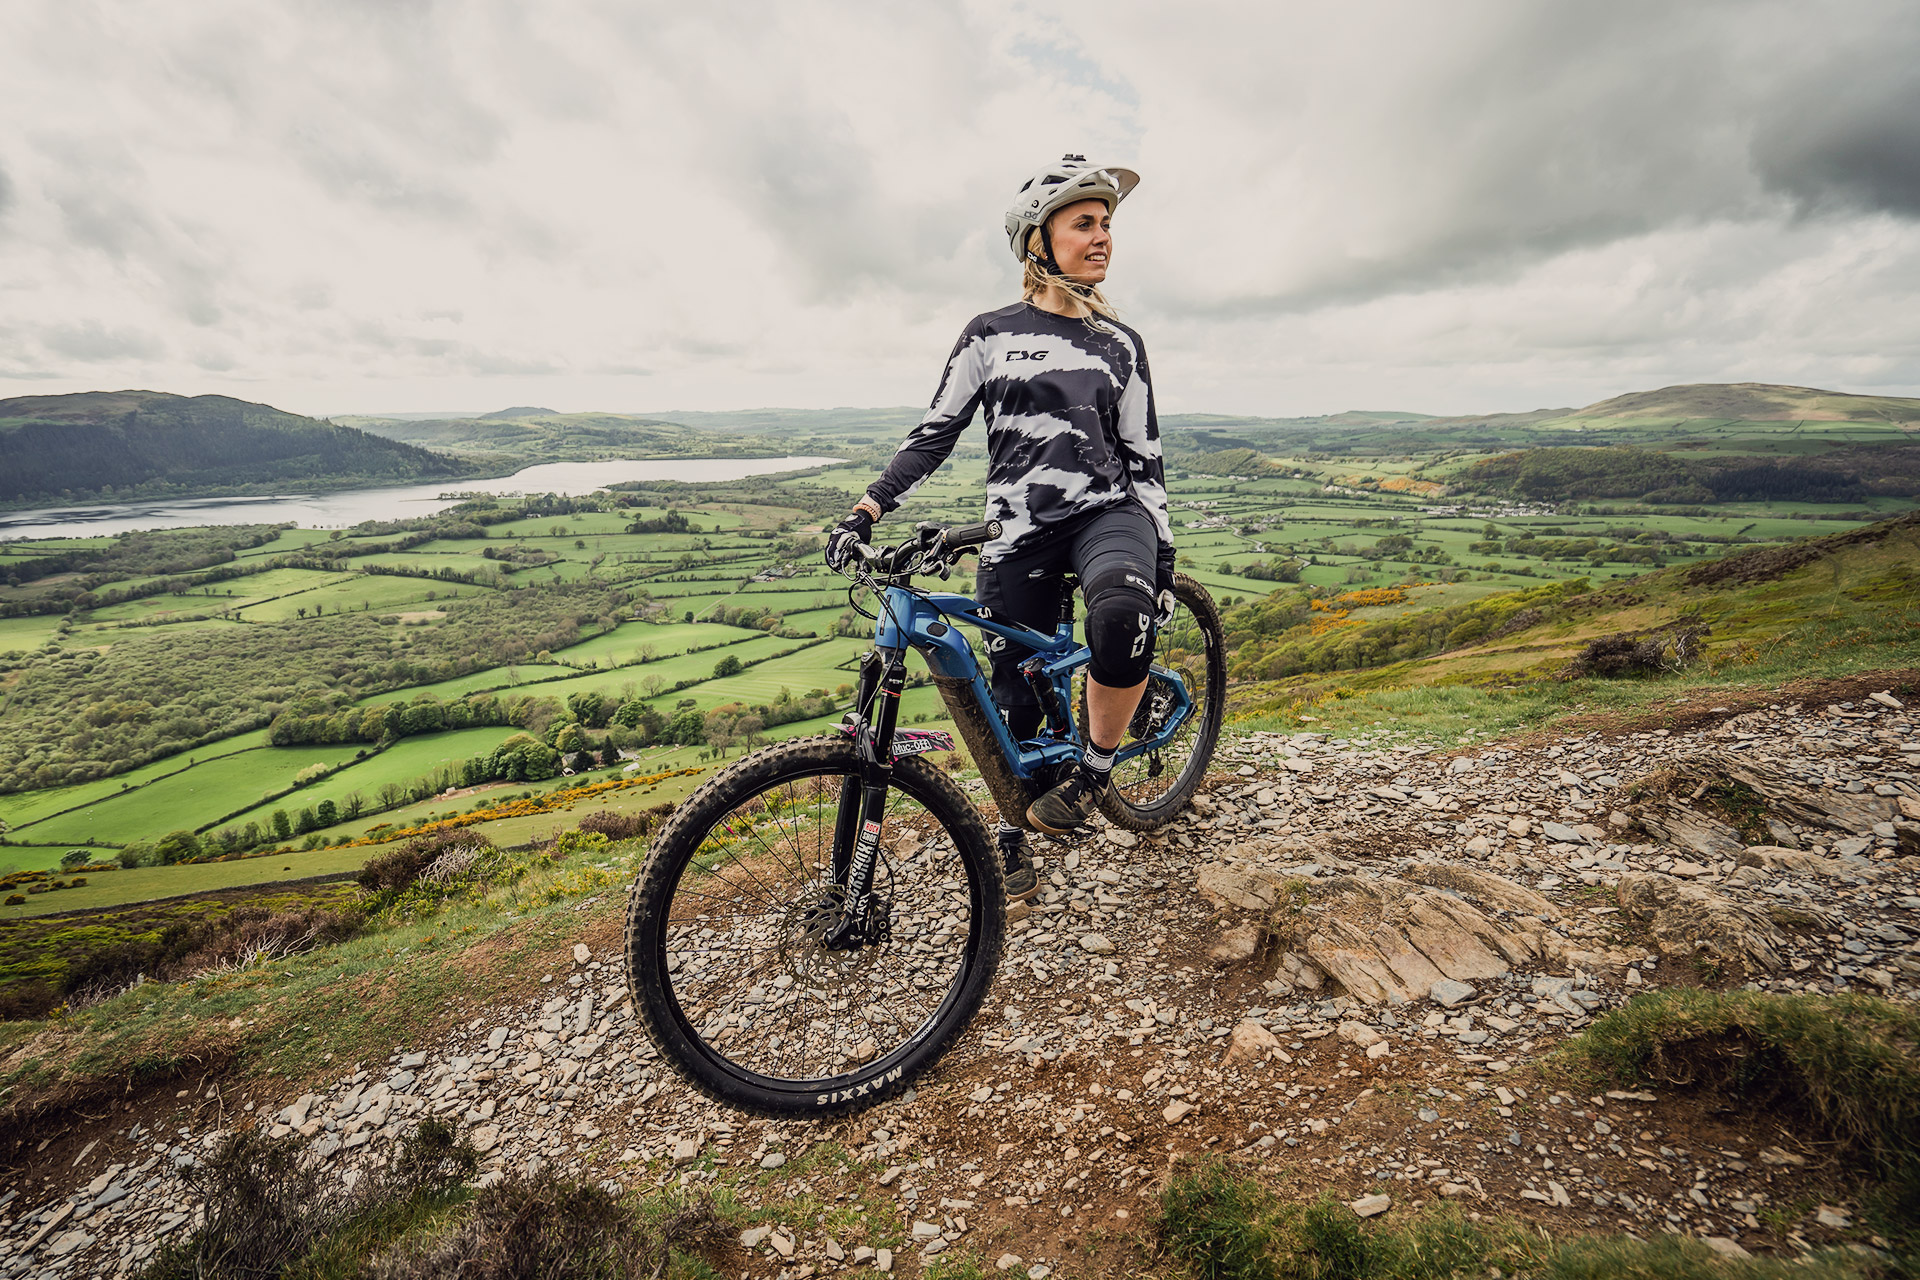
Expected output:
(1370, 1206)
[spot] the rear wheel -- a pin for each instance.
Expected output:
(1150, 790)
(727, 953)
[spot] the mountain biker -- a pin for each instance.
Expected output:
(1073, 475)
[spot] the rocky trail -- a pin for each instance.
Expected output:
(1347, 968)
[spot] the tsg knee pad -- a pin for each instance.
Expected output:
(1120, 628)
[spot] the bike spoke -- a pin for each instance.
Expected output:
(1145, 778)
(745, 958)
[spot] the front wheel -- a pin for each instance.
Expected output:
(1151, 789)
(729, 952)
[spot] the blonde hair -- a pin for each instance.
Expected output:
(1085, 299)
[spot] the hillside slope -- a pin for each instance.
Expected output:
(152, 441)
(1753, 402)
(532, 434)
(1771, 612)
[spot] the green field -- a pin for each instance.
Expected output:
(14, 857)
(625, 643)
(25, 807)
(402, 762)
(1343, 504)
(27, 633)
(189, 799)
(109, 888)
(359, 592)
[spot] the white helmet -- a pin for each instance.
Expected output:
(1071, 179)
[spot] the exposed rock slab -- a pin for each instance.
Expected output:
(1775, 858)
(1692, 920)
(1389, 940)
(1485, 890)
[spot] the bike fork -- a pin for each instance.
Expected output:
(863, 802)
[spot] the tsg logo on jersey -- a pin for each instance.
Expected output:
(1026, 355)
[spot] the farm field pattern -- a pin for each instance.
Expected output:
(756, 551)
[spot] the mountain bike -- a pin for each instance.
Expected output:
(819, 921)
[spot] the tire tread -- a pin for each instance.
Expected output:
(757, 771)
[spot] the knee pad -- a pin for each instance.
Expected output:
(1120, 612)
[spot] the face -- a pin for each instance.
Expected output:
(1082, 235)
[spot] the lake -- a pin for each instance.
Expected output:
(348, 507)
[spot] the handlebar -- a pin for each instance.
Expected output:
(933, 548)
(969, 536)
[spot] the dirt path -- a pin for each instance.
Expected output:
(1212, 1024)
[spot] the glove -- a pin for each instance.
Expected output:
(1163, 586)
(848, 534)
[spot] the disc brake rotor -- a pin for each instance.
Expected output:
(1155, 709)
(805, 926)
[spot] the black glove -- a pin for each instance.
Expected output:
(848, 534)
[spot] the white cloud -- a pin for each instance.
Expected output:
(596, 204)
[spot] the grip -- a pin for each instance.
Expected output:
(973, 535)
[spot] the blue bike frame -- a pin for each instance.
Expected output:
(919, 619)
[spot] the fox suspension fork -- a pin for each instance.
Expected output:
(863, 801)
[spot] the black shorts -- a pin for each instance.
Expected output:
(1116, 544)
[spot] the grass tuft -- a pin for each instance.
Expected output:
(1672, 1257)
(1850, 1063)
(1225, 1227)
(523, 1230)
(1217, 1223)
(271, 1213)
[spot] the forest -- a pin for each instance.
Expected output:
(1564, 473)
(85, 713)
(138, 443)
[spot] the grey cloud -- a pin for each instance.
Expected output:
(6, 192)
(804, 200)
(1854, 142)
(1500, 135)
(93, 342)
(107, 204)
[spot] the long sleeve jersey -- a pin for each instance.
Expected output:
(1070, 424)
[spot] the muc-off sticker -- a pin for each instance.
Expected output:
(921, 741)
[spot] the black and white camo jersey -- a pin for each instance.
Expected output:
(1070, 424)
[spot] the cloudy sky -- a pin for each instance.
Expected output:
(371, 205)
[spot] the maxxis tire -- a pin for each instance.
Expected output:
(1212, 711)
(686, 1054)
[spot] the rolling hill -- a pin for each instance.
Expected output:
(1752, 402)
(138, 443)
(528, 434)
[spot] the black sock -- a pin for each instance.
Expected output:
(1097, 764)
(1009, 834)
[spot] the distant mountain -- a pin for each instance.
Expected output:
(1753, 402)
(518, 411)
(785, 422)
(538, 436)
(141, 443)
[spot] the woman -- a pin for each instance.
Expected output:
(1073, 476)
